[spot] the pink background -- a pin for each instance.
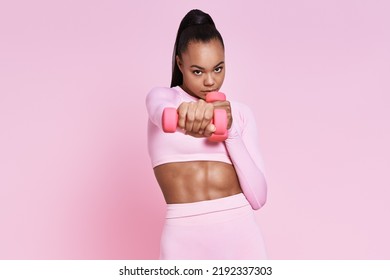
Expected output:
(75, 177)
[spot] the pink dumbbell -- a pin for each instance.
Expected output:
(170, 118)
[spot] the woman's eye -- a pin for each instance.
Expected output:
(197, 72)
(218, 69)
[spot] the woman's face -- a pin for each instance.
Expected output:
(203, 67)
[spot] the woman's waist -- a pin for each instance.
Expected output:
(193, 194)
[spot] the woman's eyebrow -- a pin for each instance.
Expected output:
(202, 68)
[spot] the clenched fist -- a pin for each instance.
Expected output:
(196, 117)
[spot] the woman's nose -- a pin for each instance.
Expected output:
(209, 80)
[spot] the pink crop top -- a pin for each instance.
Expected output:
(240, 149)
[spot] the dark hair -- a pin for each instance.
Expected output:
(196, 26)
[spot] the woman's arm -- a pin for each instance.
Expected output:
(243, 147)
(192, 116)
(158, 99)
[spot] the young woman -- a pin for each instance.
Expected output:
(210, 187)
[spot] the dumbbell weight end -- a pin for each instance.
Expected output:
(169, 120)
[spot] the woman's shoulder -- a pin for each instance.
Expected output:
(241, 108)
(242, 113)
(165, 93)
(162, 90)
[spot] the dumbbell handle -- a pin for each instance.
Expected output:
(170, 118)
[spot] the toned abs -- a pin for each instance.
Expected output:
(184, 182)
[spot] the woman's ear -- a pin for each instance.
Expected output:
(179, 63)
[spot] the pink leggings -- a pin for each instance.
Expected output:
(222, 229)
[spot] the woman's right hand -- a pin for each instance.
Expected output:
(195, 118)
